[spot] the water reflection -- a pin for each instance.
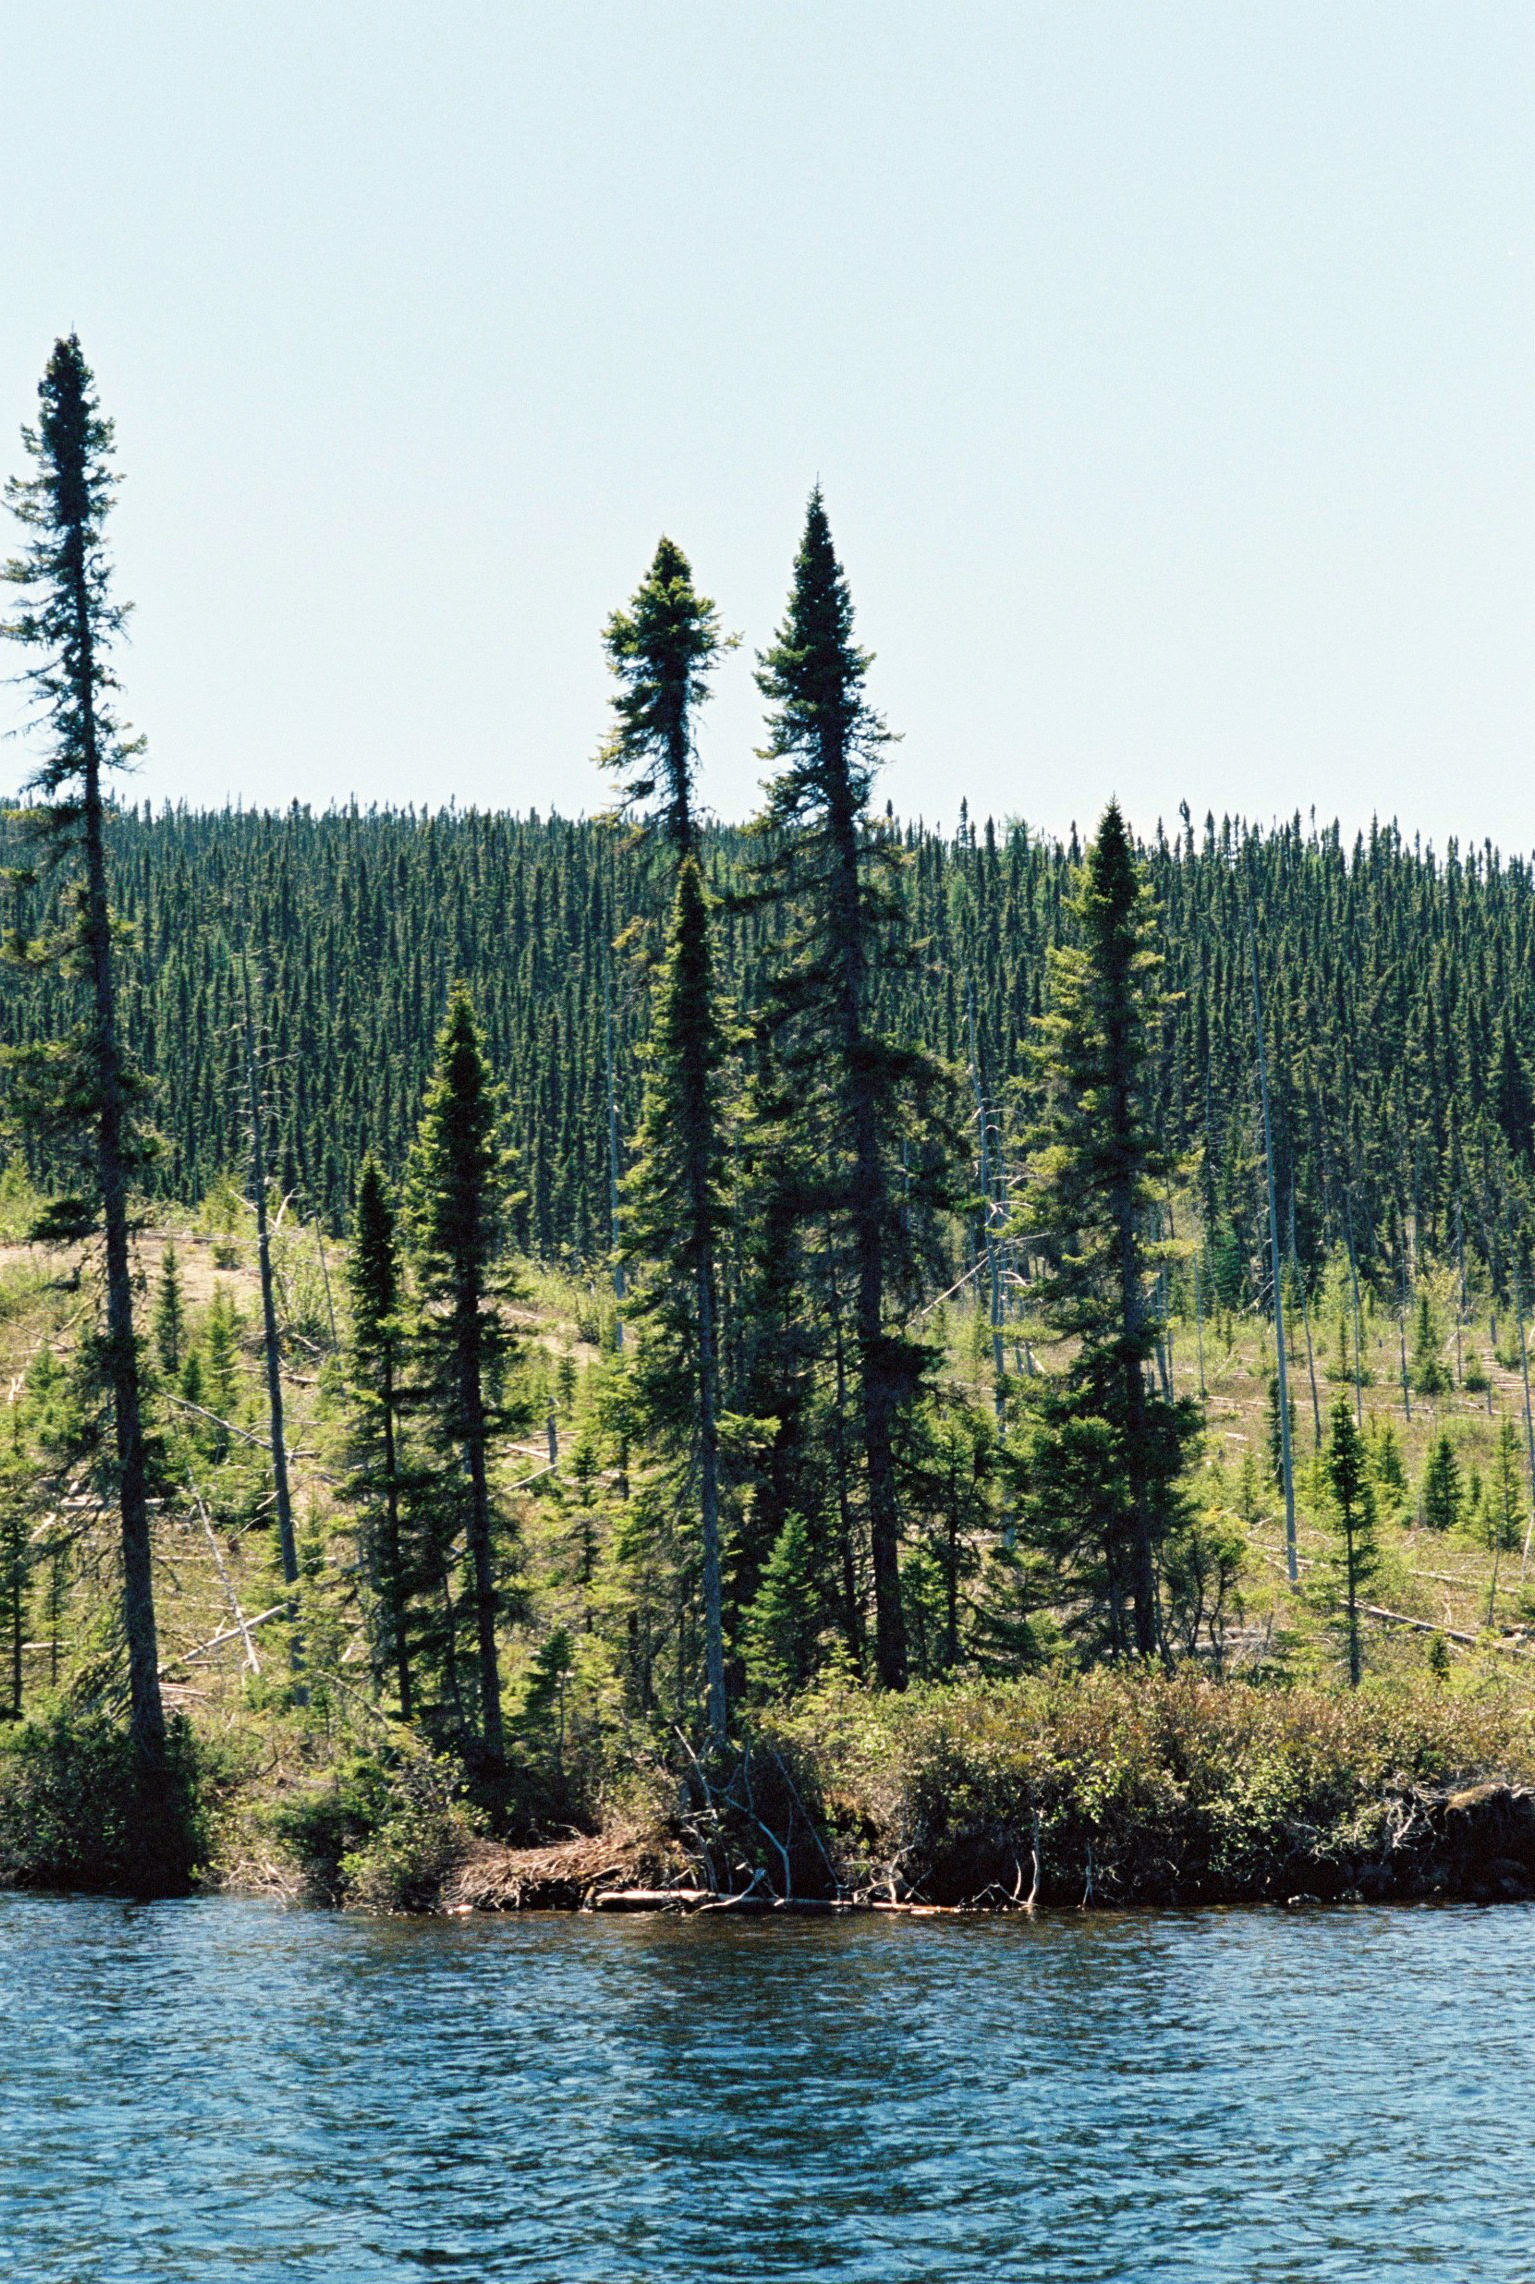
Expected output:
(231, 2091)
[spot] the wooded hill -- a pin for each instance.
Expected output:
(1397, 983)
(793, 1085)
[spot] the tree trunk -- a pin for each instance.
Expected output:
(480, 1553)
(392, 1547)
(709, 1489)
(868, 1204)
(1143, 1576)
(146, 1715)
(852, 1625)
(270, 1347)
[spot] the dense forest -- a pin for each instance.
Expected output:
(1397, 985)
(765, 1247)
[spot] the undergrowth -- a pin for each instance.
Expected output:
(1135, 1785)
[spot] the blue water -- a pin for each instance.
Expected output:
(213, 2091)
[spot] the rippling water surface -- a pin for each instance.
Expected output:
(214, 2091)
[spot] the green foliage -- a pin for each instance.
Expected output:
(383, 1831)
(677, 1216)
(222, 1359)
(1249, 1492)
(459, 1198)
(169, 1325)
(1430, 1375)
(1146, 1788)
(1369, 950)
(1442, 1493)
(661, 651)
(1503, 1516)
(782, 1402)
(376, 1483)
(1103, 1473)
(1388, 1467)
(853, 1122)
(75, 1093)
(75, 1800)
(19, 1488)
(1352, 1501)
(1202, 1566)
(781, 1628)
(20, 1204)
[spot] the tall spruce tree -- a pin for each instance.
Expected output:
(1353, 1509)
(373, 1486)
(845, 1086)
(661, 651)
(1108, 1452)
(18, 1501)
(80, 1093)
(460, 1198)
(677, 1213)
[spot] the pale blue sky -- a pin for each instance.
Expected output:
(1167, 368)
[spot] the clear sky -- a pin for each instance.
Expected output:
(1167, 367)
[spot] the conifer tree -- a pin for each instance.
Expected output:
(782, 1624)
(1503, 1513)
(459, 1198)
(373, 1387)
(16, 1511)
(1429, 1376)
(170, 1315)
(1353, 1508)
(81, 1092)
(1108, 1454)
(221, 1360)
(1389, 1473)
(1443, 1491)
(662, 650)
(846, 1088)
(676, 1216)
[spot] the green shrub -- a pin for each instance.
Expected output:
(75, 1812)
(1145, 1787)
(383, 1831)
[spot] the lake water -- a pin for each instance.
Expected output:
(215, 2091)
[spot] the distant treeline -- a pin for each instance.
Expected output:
(1398, 995)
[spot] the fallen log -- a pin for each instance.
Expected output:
(227, 1634)
(652, 1899)
(1421, 1625)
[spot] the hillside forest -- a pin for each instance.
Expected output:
(500, 1304)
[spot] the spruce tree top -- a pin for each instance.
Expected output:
(1099, 1033)
(372, 1268)
(1348, 1467)
(460, 1172)
(822, 725)
(1094, 1136)
(64, 572)
(662, 650)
